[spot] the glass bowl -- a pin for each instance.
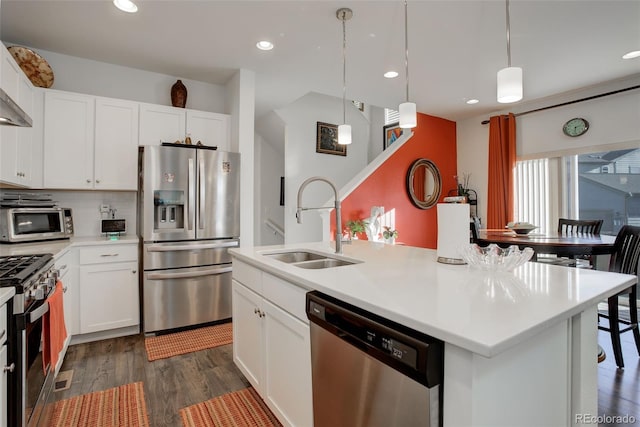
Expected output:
(495, 258)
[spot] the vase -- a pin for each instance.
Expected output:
(178, 94)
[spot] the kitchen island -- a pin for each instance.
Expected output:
(520, 347)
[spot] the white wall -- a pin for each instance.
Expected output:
(302, 161)
(269, 169)
(376, 126)
(613, 120)
(86, 76)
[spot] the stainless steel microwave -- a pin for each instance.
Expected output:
(33, 224)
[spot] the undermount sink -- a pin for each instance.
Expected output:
(309, 260)
(291, 257)
(323, 263)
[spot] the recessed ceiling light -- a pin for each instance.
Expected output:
(472, 101)
(126, 6)
(631, 55)
(264, 45)
(391, 74)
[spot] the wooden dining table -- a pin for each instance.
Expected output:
(550, 243)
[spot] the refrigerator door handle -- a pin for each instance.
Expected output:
(192, 196)
(192, 247)
(201, 200)
(187, 275)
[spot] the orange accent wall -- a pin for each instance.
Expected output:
(434, 139)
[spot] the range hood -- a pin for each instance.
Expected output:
(11, 114)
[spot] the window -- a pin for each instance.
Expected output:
(532, 193)
(608, 188)
(391, 116)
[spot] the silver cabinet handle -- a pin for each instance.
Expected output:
(63, 267)
(88, 181)
(4, 332)
(97, 181)
(106, 255)
(10, 368)
(133, 271)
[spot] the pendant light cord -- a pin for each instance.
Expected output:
(508, 37)
(406, 47)
(344, 68)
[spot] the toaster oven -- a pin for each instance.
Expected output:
(33, 224)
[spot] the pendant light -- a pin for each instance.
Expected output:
(510, 78)
(344, 130)
(407, 110)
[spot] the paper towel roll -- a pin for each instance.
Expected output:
(453, 231)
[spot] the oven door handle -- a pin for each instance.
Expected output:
(38, 312)
(187, 275)
(192, 247)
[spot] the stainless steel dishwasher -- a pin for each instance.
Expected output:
(370, 371)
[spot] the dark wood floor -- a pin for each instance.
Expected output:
(619, 389)
(169, 384)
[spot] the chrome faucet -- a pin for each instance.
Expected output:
(337, 208)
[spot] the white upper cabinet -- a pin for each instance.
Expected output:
(212, 129)
(90, 142)
(16, 142)
(116, 144)
(68, 140)
(159, 123)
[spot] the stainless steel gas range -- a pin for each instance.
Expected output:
(29, 382)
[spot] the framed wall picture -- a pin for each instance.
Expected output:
(391, 133)
(327, 140)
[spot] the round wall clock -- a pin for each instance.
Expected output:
(575, 127)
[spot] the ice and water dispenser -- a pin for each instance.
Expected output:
(169, 209)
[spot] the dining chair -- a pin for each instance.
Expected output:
(579, 226)
(624, 259)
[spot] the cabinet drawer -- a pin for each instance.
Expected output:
(108, 253)
(285, 295)
(3, 324)
(249, 276)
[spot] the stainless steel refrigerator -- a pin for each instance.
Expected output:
(188, 217)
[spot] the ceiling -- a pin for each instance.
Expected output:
(455, 47)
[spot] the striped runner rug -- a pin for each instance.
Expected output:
(164, 346)
(242, 408)
(122, 406)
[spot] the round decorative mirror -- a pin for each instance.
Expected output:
(424, 183)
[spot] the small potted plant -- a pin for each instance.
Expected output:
(389, 235)
(356, 226)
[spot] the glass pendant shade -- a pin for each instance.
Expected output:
(344, 134)
(408, 117)
(509, 85)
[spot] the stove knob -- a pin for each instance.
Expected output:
(39, 292)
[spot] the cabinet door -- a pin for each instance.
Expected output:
(10, 74)
(3, 386)
(108, 296)
(116, 145)
(159, 123)
(287, 382)
(211, 129)
(248, 339)
(15, 149)
(68, 267)
(68, 140)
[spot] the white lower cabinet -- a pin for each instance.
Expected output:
(67, 266)
(3, 386)
(271, 344)
(108, 287)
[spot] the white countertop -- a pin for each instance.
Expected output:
(6, 294)
(482, 312)
(58, 247)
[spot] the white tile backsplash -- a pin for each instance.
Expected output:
(86, 208)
